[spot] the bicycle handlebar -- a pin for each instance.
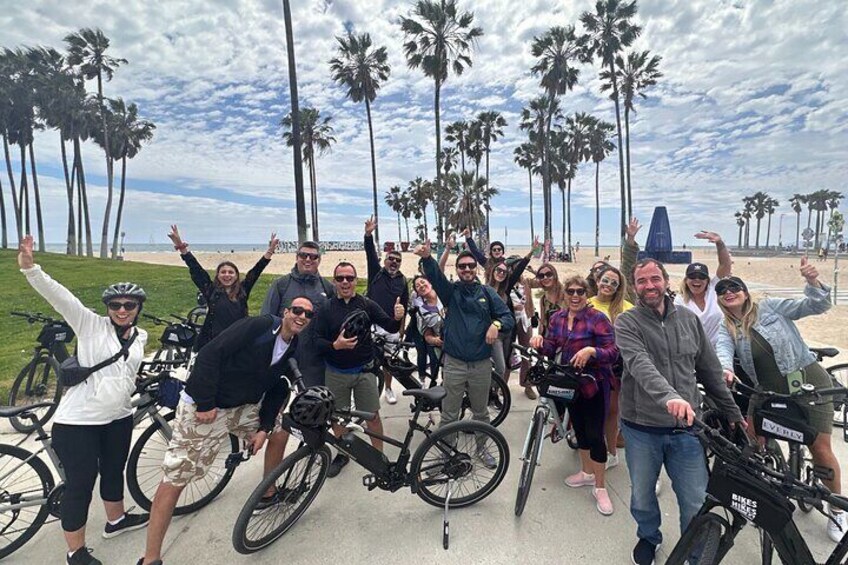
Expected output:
(366, 416)
(32, 317)
(807, 391)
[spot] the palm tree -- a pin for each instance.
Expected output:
(527, 157)
(635, 73)
(394, 198)
(407, 209)
(771, 206)
(316, 136)
(87, 51)
(747, 213)
(420, 194)
(610, 31)
(740, 221)
(128, 133)
(759, 203)
(575, 150)
(458, 133)
(362, 70)
(439, 39)
(491, 129)
(299, 197)
(832, 201)
(534, 119)
(556, 52)
(797, 202)
(600, 146)
(471, 195)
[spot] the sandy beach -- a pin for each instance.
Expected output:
(829, 329)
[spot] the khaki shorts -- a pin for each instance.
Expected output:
(362, 385)
(194, 447)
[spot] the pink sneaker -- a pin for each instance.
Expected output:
(604, 503)
(580, 479)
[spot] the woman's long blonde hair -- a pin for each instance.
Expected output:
(687, 294)
(616, 304)
(556, 287)
(742, 326)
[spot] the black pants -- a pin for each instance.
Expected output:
(587, 419)
(425, 354)
(85, 452)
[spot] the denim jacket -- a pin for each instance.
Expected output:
(775, 323)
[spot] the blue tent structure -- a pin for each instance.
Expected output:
(659, 244)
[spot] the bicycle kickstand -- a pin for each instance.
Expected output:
(446, 520)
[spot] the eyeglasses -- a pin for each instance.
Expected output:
(577, 291)
(545, 275)
(394, 259)
(732, 287)
(344, 278)
(466, 266)
(310, 256)
(609, 282)
(697, 276)
(127, 306)
(301, 311)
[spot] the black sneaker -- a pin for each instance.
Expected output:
(644, 553)
(128, 523)
(339, 461)
(83, 556)
(282, 495)
(157, 562)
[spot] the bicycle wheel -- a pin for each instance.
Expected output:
(839, 377)
(37, 382)
(24, 488)
(500, 401)
(473, 456)
(798, 463)
(700, 543)
(144, 471)
(531, 458)
(297, 481)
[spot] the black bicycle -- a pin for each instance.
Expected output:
(839, 377)
(394, 358)
(177, 338)
(745, 488)
(38, 381)
(455, 466)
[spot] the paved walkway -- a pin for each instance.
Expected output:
(347, 523)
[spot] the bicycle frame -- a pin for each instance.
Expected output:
(552, 416)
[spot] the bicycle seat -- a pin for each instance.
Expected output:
(822, 352)
(10, 411)
(433, 394)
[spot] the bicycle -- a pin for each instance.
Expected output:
(839, 376)
(394, 357)
(177, 338)
(447, 470)
(38, 381)
(557, 384)
(749, 490)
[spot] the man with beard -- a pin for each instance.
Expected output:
(666, 353)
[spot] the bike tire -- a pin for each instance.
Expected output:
(531, 458)
(500, 401)
(144, 472)
(797, 466)
(37, 382)
(451, 452)
(703, 535)
(22, 479)
(839, 377)
(301, 465)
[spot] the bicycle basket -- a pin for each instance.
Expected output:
(58, 332)
(749, 497)
(783, 419)
(169, 391)
(181, 335)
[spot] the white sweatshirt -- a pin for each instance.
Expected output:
(105, 395)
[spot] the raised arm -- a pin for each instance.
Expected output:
(442, 286)
(629, 253)
(816, 296)
(472, 247)
(253, 275)
(371, 255)
(725, 262)
(449, 244)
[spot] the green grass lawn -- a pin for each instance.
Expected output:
(169, 290)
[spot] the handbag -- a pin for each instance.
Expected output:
(71, 373)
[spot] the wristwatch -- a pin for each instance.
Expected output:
(497, 324)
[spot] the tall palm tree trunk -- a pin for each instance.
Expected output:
(373, 171)
(16, 208)
(39, 219)
(120, 207)
(104, 236)
(24, 191)
(739, 245)
(620, 152)
(768, 231)
(568, 249)
(71, 246)
(5, 237)
(597, 209)
(532, 229)
(758, 233)
(83, 203)
(488, 205)
(747, 233)
(299, 197)
(627, 149)
(400, 235)
(313, 181)
(546, 173)
(436, 103)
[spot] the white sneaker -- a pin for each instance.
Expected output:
(837, 527)
(658, 488)
(390, 396)
(612, 460)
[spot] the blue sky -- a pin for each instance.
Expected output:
(755, 97)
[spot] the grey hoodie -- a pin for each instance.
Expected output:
(664, 359)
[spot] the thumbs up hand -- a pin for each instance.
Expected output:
(400, 311)
(809, 272)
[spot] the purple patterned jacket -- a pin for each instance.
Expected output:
(591, 329)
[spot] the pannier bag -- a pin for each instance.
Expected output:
(58, 332)
(180, 335)
(783, 419)
(735, 489)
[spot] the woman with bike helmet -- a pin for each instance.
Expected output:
(227, 295)
(773, 354)
(583, 337)
(92, 428)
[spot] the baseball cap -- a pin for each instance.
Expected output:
(730, 281)
(697, 269)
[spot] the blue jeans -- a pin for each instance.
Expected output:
(685, 464)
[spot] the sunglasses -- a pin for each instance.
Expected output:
(466, 266)
(394, 259)
(497, 250)
(301, 311)
(698, 276)
(345, 278)
(310, 256)
(724, 289)
(545, 275)
(577, 291)
(501, 271)
(127, 306)
(609, 282)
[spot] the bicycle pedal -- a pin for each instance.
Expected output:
(369, 481)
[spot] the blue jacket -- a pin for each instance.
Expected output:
(775, 323)
(471, 309)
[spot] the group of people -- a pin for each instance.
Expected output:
(647, 349)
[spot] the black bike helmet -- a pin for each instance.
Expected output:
(358, 325)
(313, 407)
(536, 374)
(124, 289)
